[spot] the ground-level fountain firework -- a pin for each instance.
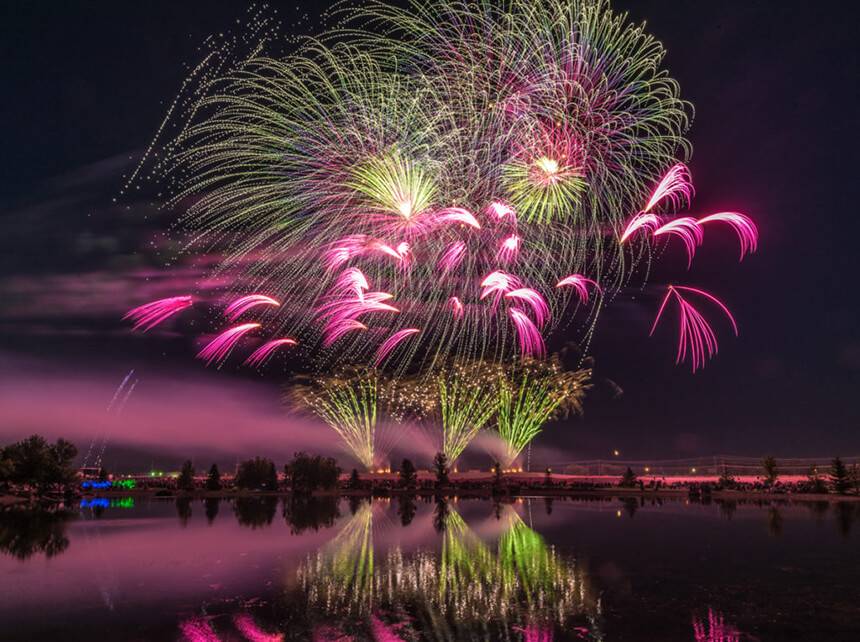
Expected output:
(426, 195)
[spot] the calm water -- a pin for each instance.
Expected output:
(536, 570)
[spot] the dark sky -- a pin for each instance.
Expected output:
(774, 85)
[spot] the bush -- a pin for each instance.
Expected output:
(257, 474)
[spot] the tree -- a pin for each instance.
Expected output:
(440, 467)
(186, 476)
(547, 478)
(817, 484)
(628, 479)
(33, 462)
(407, 474)
(306, 474)
(727, 480)
(213, 481)
(497, 474)
(103, 474)
(855, 477)
(771, 472)
(354, 482)
(256, 474)
(839, 477)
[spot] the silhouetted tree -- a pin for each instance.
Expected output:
(34, 462)
(407, 474)
(839, 477)
(547, 477)
(497, 475)
(628, 479)
(817, 484)
(440, 468)
(213, 481)
(727, 480)
(771, 472)
(256, 474)
(186, 476)
(305, 473)
(354, 482)
(103, 474)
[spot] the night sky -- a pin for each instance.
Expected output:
(86, 84)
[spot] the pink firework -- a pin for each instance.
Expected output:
(509, 249)
(245, 303)
(498, 283)
(392, 342)
(647, 221)
(264, 352)
(502, 210)
(336, 329)
(148, 316)
(220, 347)
(453, 256)
(351, 281)
(198, 630)
(341, 251)
(697, 337)
(580, 285)
(456, 215)
(535, 301)
(742, 225)
(530, 339)
(245, 624)
(676, 187)
(456, 307)
(689, 231)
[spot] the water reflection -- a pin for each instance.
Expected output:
(467, 590)
(255, 512)
(26, 533)
(304, 513)
(714, 628)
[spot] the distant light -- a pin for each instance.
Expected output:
(616, 453)
(618, 513)
(647, 470)
(692, 470)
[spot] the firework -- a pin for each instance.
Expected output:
(219, 348)
(419, 150)
(580, 285)
(355, 403)
(688, 230)
(696, 336)
(392, 342)
(532, 393)
(265, 351)
(742, 225)
(245, 303)
(148, 316)
(531, 341)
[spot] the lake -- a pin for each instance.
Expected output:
(536, 570)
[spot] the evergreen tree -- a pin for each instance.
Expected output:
(407, 474)
(628, 479)
(186, 476)
(839, 477)
(213, 481)
(354, 480)
(771, 472)
(817, 484)
(440, 467)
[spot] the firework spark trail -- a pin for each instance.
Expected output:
(498, 283)
(529, 337)
(535, 300)
(241, 305)
(688, 230)
(743, 226)
(509, 249)
(336, 329)
(532, 393)
(392, 342)
(648, 222)
(696, 336)
(220, 347)
(121, 389)
(456, 307)
(715, 630)
(580, 284)
(465, 404)
(676, 187)
(456, 215)
(148, 316)
(502, 210)
(351, 281)
(265, 351)
(348, 403)
(453, 256)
